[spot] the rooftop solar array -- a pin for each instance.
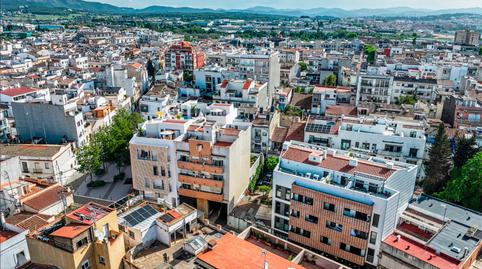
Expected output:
(318, 128)
(139, 215)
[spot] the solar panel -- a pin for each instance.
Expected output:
(140, 214)
(318, 128)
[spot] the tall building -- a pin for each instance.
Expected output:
(467, 37)
(55, 122)
(183, 56)
(204, 161)
(339, 205)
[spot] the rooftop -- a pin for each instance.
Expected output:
(89, 213)
(421, 252)
(6, 234)
(45, 198)
(70, 231)
(233, 252)
(337, 163)
(30, 150)
(18, 91)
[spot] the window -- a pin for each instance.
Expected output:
(199, 147)
(352, 249)
(355, 214)
(147, 183)
(24, 167)
(373, 237)
(345, 144)
(303, 199)
(376, 219)
(281, 224)
(370, 254)
(163, 171)
(329, 207)
(311, 218)
(334, 226)
(295, 213)
(101, 260)
(20, 258)
(413, 153)
(359, 234)
(47, 166)
(325, 240)
(155, 170)
(283, 193)
(300, 231)
(413, 133)
(282, 209)
(85, 265)
(82, 242)
(132, 235)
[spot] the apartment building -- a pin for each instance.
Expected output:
(373, 88)
(55, 122)
(55, 163)
(87, 237)
(467, 37)
(22, 94)
(202, 161)
(338, 205)
(183, 56)
(391, 139)
(154, 103)
(209, 77)
(260, 67)
(420, 89)
(329, 96)
(461, 111)
(248, 96)
(432, 233)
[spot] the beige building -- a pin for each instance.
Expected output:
(88, 237)
(202, 161)
(467, 37)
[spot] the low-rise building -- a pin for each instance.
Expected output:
(14, 252)
(88, 237)
(431, 234)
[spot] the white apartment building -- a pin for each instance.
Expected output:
(373, 88)
(391, 139)
(13, 245)
(336, 204)
(249, 96)
(421, 89)
(202, 159)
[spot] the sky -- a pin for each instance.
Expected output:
(345, 4)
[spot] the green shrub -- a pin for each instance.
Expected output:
(96, 184)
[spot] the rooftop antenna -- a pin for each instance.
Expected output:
(62, 191)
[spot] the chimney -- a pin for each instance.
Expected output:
(389, 165)
(398, 238)
(353, 162)
(331, 152)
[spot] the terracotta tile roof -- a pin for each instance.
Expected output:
(175, 121)
(233, 252)
(296, 131)
(337, 163)
(6, 234)
(223, 144)
(279, 134)
(231, 131)
(70, 231)
(341, 110)
(30, 150)
(44, 198)
(301, 100)
(136, 65)
(18, 91)
(421, 252)
(29, 221)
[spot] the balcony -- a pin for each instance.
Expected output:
(200, 181)
(201, 195)
(200, 167)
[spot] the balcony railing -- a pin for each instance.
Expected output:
(209, 168)
(200, 181)
(201, 195)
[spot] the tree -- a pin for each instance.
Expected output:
(466, 188)
(437, 168)
(271, 163)
(370, 52)
(88, 158)
(303, 66)
(465, 149)
(406, 99)
(330, 80)
(414, 39)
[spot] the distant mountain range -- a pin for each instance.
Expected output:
(52, 6)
